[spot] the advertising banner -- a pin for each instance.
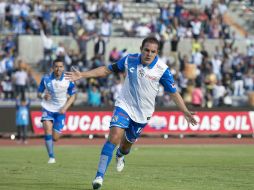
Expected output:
(214, 122)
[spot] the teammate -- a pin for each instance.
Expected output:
(57, 95)
(136, 102)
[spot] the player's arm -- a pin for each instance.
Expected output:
(176, 97)
(68, 103)
(71, 91)
(102, 71)
(41, 94)
(167, 81)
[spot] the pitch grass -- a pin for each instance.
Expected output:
(206, 167)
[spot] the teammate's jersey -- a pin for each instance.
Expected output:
(58, 90)
(141, 85)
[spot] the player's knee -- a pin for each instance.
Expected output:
(114, 139)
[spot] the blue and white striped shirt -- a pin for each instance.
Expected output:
(58, 89)
(141, 85)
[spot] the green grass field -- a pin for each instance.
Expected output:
(204, 167)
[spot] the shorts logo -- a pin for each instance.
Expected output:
(114, 118)
(44, 114)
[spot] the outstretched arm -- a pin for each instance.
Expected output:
(180, 103)
(102, 71)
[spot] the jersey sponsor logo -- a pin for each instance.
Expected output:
(151, 78)
(131, 69)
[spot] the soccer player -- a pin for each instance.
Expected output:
(136, 102)
(57, 95)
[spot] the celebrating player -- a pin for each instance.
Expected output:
(136, 102)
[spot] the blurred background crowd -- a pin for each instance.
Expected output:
(224, 77)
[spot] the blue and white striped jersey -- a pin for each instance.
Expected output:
(58, 89)
(141, 85)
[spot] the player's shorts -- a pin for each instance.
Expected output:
(57, 119)
(132, 129)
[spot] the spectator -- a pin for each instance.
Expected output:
(114, 55)
(249, 81)
(116, 89)
(94, 96)
(3, 6)
(22, 119)
(47, 49)
(7, 88)
(238, 81)
(219, 93)
(197, 95)
(128, 25)
(118, 10)
(106, 28)
(100, 47)
(20, 79)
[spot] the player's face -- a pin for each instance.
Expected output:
(148, 52)
(58, 69)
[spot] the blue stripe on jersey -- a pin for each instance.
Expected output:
(71, 89)
(133, 79)
(168, 82)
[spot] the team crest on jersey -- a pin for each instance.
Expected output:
(141, 72)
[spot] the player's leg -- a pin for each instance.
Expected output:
(117, 125)
(59, 121)
(48, 129)
(131, 135)
(124, 149)
(114, 139)
(47, 120)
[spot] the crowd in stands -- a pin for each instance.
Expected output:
(204, 79)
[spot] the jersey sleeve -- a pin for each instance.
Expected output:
(41, 87)
(168, 82)
(71, 89)
(118, 66)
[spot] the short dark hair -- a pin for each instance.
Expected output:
(150, 39)
(58, 59)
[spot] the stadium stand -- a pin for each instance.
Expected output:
(201, 41)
